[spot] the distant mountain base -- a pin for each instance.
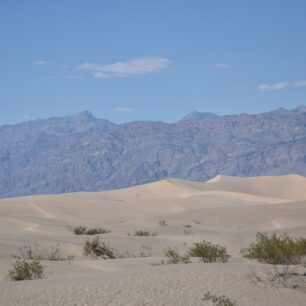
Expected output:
(83, 153)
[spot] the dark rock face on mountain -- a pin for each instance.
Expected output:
(83, 153)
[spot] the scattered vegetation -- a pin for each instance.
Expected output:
(26, 270)
(97, 248)
(82, 230)
(144, 233)
(187, 225)
(277, 250)
(221, 300)
(208, 252)
(175, 258)
(279, 276)
(38, 252)
(196, 221)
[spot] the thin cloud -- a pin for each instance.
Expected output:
(138, 66)
(223, 66)
(272, 87)
(124, 109)
(39, 63)
(100, 75)
(300, 83)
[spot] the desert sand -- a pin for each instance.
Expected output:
(225, 210)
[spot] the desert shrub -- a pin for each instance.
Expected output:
(209, 252)
(196, 221)
(97, 231)
(144, 233)
(278, 250)
(38, 252)
(82, 230)
(221, 300)
(97, 248)
(174, 257)
(26, 270)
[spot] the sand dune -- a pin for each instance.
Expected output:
(225, 210)
(287, 187)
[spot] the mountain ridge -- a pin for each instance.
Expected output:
(84, 153)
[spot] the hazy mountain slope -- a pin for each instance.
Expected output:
(82, 152)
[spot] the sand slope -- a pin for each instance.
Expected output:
(226, 210)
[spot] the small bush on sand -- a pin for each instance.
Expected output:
(215, 300)
(162, 222)
(79, 230)
(97, 248)
(26, 270)
(144, 233)
(38, 252)
(97, 231)
(196, 221)
(277, 250)
(208, 252)
(175, 258)
(82, 230)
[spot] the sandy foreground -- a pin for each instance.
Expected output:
(225, 210)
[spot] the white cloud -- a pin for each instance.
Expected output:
(272, 87)
(38, 63)
(136, 66)
(27, 117)
(301, 83)
(223, 66)
(101, 75)
(124, 109)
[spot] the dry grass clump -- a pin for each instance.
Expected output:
(277, 250)
(208, 252)
(221, 300)
(26, 270)
(82, 230)
(143, 233)
(97, 248)
(38, 252)
(175, 258)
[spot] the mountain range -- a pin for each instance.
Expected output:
(84, 153)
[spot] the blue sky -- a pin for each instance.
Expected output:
(150, 60)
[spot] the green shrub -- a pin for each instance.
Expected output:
(209, 252)
(82, 230)
(221, 300)
(98, 249)
(26, 270)
(174, 257)
(144, 233)
(97, 231)
(279, 250)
